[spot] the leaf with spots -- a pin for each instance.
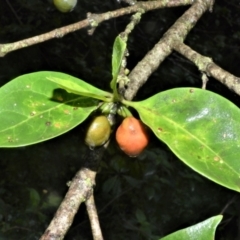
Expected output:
(33, 109)
(200, 127)
(203, 230)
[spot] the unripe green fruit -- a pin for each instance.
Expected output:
(98, 131)
(65, 5)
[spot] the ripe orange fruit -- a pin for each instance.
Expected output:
(132, 136)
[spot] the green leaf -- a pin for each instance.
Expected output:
(200, 127)
(141, 217)
(202, 231)
(119, 48)
(34, 198)
(33, 109)
(78, 86)
(109, 184)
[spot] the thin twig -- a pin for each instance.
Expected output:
(93, 21)
(206, 65)
(204, 80)
(228, 204)
(93, 217)
(14, 12)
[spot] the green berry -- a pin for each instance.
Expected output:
(98, 131)
(65, 5)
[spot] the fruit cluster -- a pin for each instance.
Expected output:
(131, 136)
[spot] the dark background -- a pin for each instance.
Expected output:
(137, 198)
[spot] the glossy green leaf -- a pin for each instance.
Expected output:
(78, 86)
(200, 127)
(202, 231)
(119, 48)
(33, 109)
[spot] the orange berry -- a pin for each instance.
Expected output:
(132, 136)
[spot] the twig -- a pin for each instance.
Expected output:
(175, 35)
(204, 80)
(92, 21)
(93, 216)
(135, 19)
(81, 189)
(206, 65)
(228, 204)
